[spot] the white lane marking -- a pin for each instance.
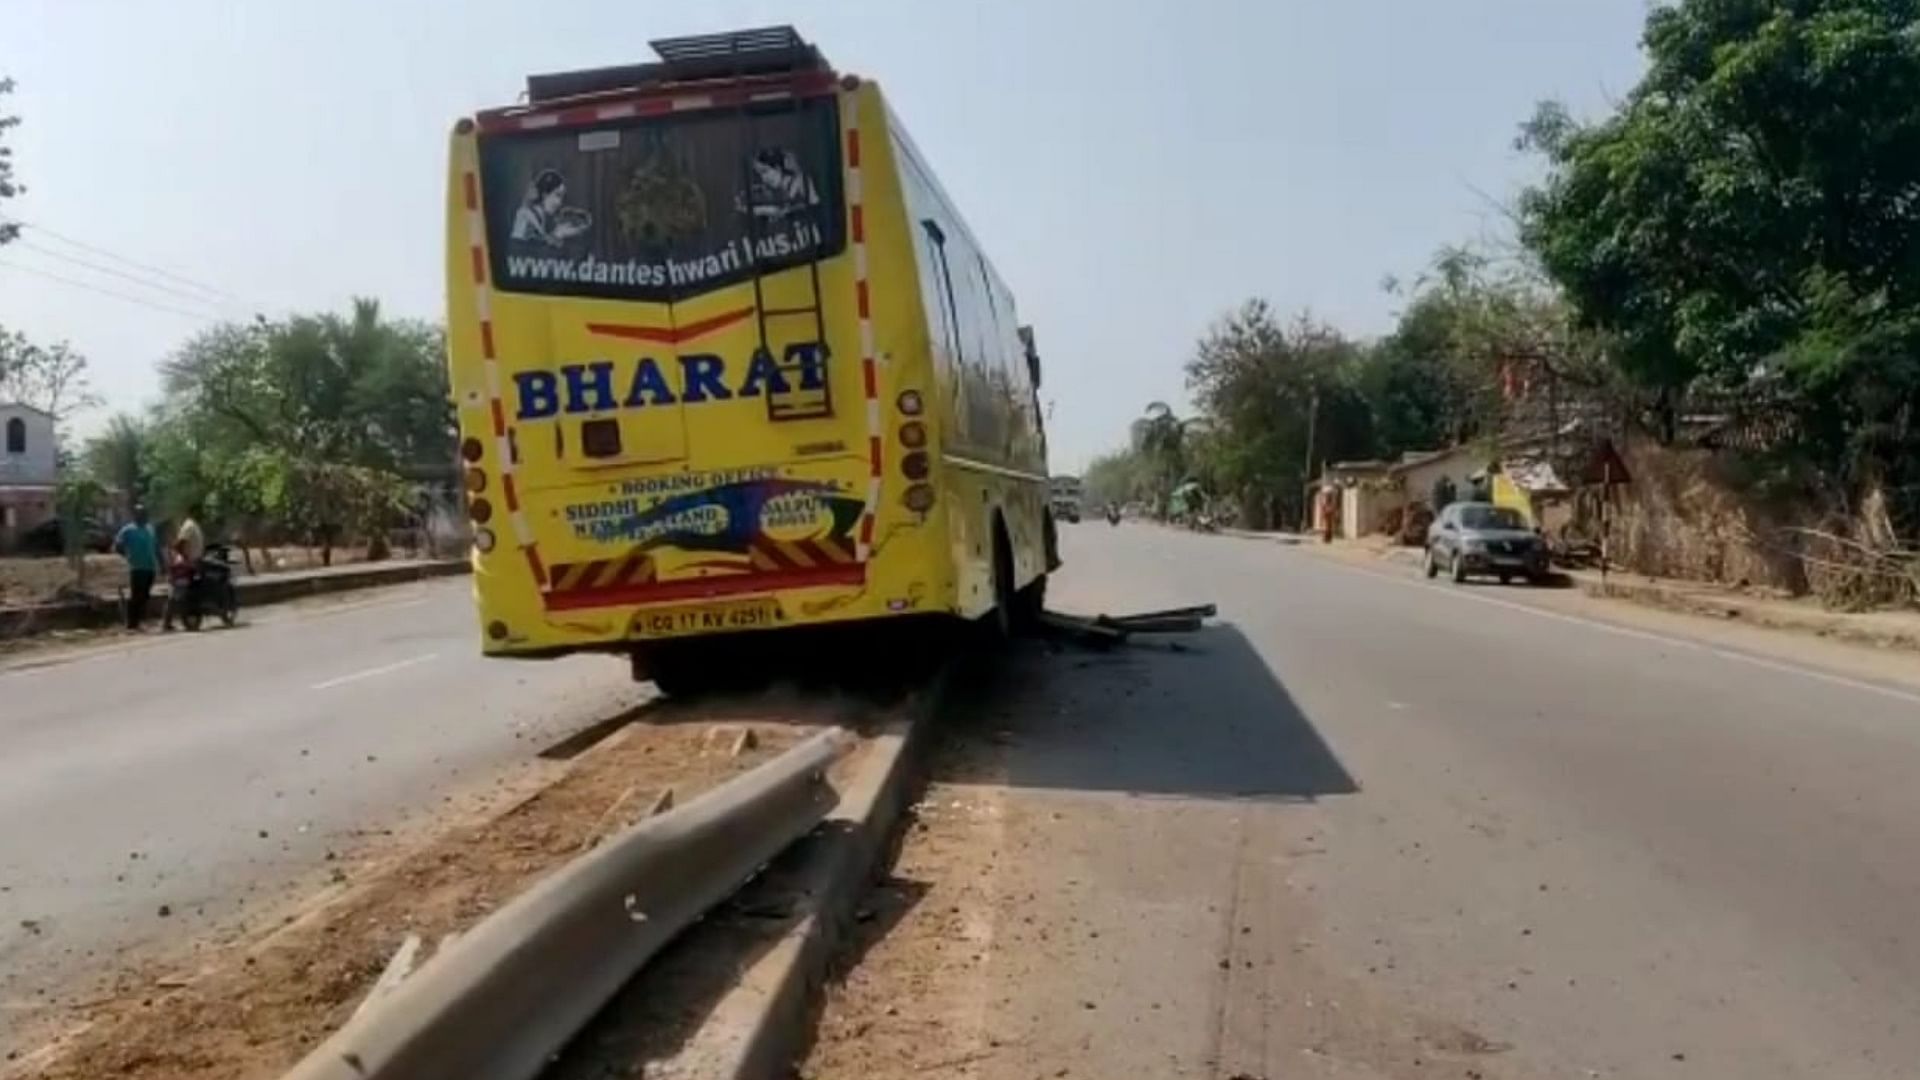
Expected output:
(369, 673)
(63, 658)
(1644, 635)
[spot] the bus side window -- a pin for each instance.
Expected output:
(949, 313)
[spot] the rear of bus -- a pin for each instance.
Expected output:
(671, 415)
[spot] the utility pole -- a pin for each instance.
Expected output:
(1313, 420)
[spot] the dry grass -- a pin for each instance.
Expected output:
(25, 580)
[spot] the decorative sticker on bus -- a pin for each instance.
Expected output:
(655, 208)
(716, 513)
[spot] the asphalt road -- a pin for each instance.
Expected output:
(1372, 826)
(212, 773)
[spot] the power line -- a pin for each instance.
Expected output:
(90, 287)
(161, 271)
(135, 278)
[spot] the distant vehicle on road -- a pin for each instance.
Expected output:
(729, 361)
(1065, 494)
(1481, 538)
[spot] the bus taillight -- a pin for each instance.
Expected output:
(919, 498)
(909, 402)
(913, 435)
(915, 466)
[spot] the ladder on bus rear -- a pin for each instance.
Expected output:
(802, 363)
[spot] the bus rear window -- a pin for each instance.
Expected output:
(662, 208)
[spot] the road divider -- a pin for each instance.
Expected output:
(499, 1001)
(754, 1031)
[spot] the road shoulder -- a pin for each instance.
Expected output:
(1796, 646)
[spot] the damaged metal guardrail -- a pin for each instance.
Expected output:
(500, 1000)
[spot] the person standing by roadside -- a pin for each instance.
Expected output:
(137, 543)
(189, 544)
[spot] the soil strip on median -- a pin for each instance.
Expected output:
(253, 1009)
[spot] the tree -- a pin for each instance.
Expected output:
(312, 421)
(1277, 401)
(117, 457)
(1161, 445)
(1749, 212)
(9, 188)
(52, 378)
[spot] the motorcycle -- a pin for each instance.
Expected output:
(206, 586)
(1113, 515)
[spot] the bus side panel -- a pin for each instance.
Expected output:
(992, 465)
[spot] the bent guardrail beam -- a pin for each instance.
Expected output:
(509, 993)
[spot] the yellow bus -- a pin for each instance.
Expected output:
(727, 360)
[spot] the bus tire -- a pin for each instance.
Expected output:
(679, 671)
(1001, 621)
(1029, 605)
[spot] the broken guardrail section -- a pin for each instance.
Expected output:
(1113, 629)
(504, 996)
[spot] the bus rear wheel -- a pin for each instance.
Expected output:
(681, 669)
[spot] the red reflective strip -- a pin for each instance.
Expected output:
(472, 187)
(486, 340)
(697, 588)
(670, 335)
(866, 530)
(479, 267)
(534, 564)
(871, 375)
(853, 148)
(499, 417)
(507, 488)
(859, 224)
(860, 293)
(873, 454)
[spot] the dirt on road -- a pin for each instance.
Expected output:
(1042, 918)
(250, 1009)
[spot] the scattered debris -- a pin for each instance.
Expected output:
(1111, 629)
(399, 966)
(743, 742)
(662, 802)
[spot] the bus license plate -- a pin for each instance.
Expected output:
(708, 618)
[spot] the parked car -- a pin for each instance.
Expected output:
(1481, 538)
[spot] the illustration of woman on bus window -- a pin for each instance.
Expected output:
(544, 215)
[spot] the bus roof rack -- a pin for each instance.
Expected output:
(770, 50)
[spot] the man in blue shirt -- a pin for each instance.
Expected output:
(140, 546)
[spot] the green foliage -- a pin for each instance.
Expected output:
(1277, 401)
(117, 457)
(306, 427)
(1117, 478)
(1749, 211)
(1159, 442)
(359, 390)
(8, 186)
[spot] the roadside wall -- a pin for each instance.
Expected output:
(1686, 515)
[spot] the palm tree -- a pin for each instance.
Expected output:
(1160, 438)
(117, 457)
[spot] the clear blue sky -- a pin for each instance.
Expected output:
(1133, 168)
